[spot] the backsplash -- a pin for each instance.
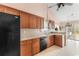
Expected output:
(30, 33)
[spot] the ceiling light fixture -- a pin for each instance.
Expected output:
(59, 5)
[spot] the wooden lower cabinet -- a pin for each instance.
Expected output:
(35, 46)
(26, 48)
(32, 46)
(58, 40)
(50, 41)
(51, 38)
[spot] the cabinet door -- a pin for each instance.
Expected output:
(2, 8)
(26, 48)
(36, 46)
(58, 40)
(51, 41)
(23, 48)
(38, 22)
(29, 47)
(51, 38)
(42, 23)
(24, 20)
(12, 11)
(32, 22)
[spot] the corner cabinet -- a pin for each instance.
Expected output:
(51, 41)
(58, 40)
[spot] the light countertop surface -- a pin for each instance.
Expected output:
(30, 34)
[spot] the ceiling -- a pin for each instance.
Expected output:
(66, 13)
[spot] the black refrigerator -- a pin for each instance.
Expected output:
(9, 35)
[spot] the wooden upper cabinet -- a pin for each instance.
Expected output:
(27, 20)
(11, 11)
(35, 46)
(38, 22)
(24, 20)
(2, 8)
(32, 22)
(42, 23)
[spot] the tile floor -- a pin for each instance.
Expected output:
(72, 49)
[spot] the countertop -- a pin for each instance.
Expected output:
(29, 35)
